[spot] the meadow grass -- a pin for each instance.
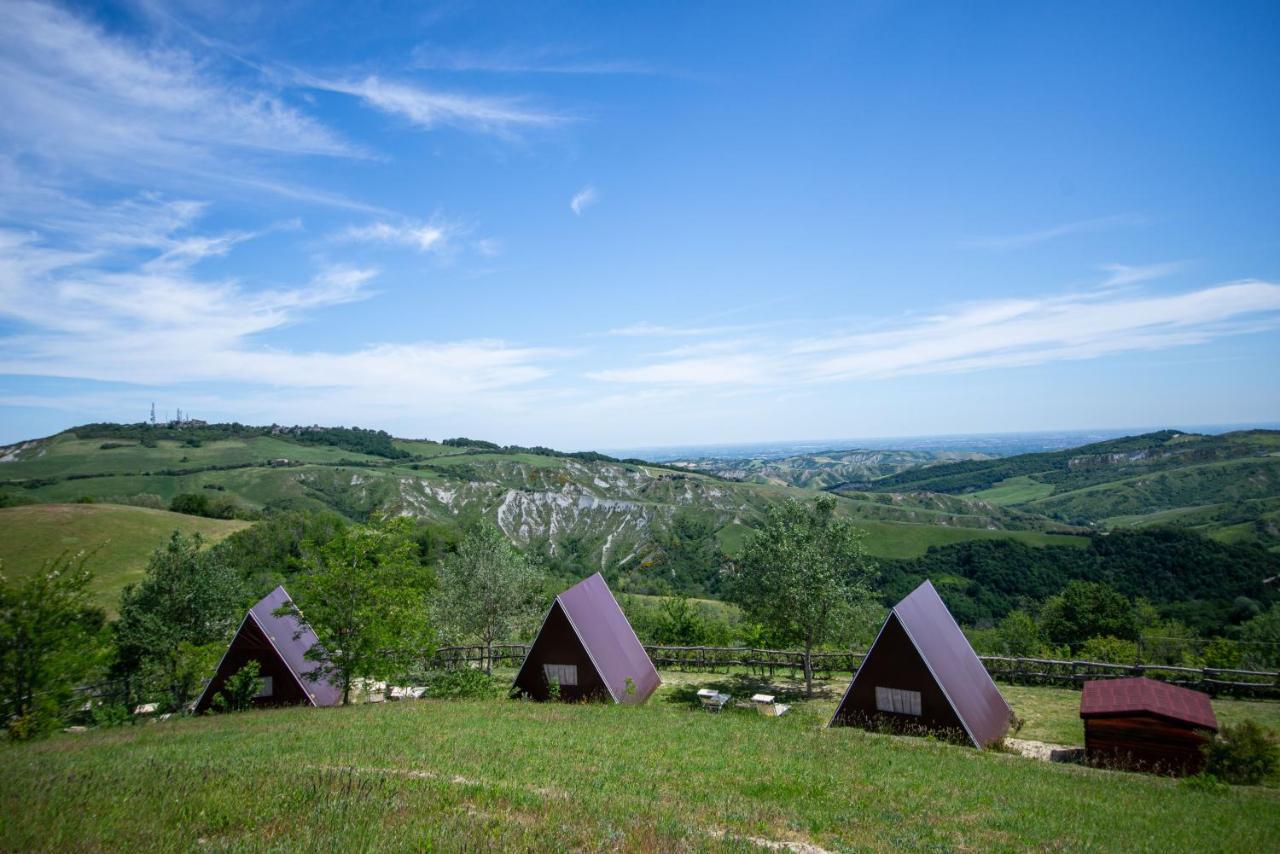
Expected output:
(517, 775)
(121, 538)
(1015, 490)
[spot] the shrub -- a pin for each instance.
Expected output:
(1112, 650)
(1245, 754)
(466, 683)
(239, 690)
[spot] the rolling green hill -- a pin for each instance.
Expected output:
(121, 539)
(592, 510)
(825, 469)
(1226, 486)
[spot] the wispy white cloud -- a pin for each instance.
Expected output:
(424, 237)
(518, 61)
(85, 311)
(1030, 238)
(583, 199)
(979, 336)
(429, 109)
(1119, 275)
(76, 93)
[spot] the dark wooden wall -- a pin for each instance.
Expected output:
(558, 643)
(894, 663)
(1144, 743)
(250, 644)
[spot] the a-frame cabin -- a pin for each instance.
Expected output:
(921, 674)
(588, 650)
(279, 644)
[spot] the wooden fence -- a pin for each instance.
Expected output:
(768, 663)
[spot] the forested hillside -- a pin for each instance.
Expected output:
(1226, 486)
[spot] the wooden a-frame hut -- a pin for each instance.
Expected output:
(279, 644)
(588, 650)
(921, 674)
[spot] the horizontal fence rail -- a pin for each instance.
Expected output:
(1019, 671)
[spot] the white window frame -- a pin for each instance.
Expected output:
(266, 688)
(564, 675)
(898, 701)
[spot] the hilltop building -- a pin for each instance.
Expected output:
(921, 675)
(588, 650)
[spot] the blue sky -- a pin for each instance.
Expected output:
(594, 225)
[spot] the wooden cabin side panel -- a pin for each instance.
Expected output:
(1144, 742)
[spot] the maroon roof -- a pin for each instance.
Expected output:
(963, 677)
(1139, 695)
(291, 639)
(954, 665)
(609, 640)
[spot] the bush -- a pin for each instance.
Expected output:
(239, 690)
(1245, 754)
(463, 684)
(1112, 650)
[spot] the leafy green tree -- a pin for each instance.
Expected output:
(366, 596)
(1261, 637)
(272, 551)
(1087, 609)
(50, 638)
(1018, 635)
(488, 589)
(174, 622)
(802, 575)
(678, 623)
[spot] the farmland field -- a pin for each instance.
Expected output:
(480, 774)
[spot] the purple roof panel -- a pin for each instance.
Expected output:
(292, 639)
(610, 641)
(954, 664)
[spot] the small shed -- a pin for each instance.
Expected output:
(279, 644)
(1145, 725)
(921, 675)
(588, 650)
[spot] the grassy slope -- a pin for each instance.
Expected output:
(475, 774)
(321, 486)
(124, 538)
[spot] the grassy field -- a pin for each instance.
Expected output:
(1015, 490)
(667, 776)
(124, 538)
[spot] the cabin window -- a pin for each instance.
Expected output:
(265, 688)
(564, 675)
(898, 701)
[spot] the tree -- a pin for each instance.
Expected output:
(49, 640)
(1261, 637)
(488, 589)
(802, 575)
(174, 622)
(1019, 635)
(1086, 609)
(365, 595)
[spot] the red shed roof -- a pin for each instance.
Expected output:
(1110, 697)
